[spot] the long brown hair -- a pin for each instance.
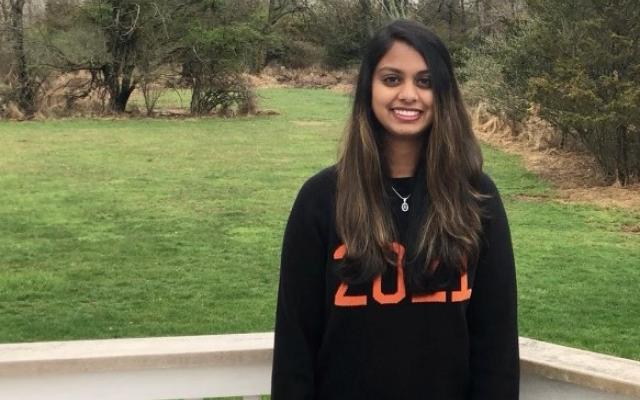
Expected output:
(450, 223)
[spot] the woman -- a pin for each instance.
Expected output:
(397, 277)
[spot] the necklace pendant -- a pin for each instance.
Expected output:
(404, 206)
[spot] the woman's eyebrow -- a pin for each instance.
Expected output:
(398, 71)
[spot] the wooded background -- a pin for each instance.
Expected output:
(574, 63)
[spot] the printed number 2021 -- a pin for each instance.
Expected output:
(343, 300)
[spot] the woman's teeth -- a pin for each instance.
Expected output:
(406, 114)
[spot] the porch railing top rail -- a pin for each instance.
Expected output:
(134, 353)
(585, 368)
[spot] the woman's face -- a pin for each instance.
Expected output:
(402, 98)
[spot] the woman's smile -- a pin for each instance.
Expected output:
(406, 114)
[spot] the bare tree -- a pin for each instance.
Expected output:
(5, 14)
(126, 38)
(26, 86)
(121, 32)
(276, 11)
(463, 17)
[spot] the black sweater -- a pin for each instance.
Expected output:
(381, 341)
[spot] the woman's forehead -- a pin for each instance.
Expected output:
(402, 58)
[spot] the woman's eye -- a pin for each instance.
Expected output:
(424, 82)
(391, 80)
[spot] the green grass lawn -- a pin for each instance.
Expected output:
(125, 228)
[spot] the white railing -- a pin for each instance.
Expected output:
(240, 365)
(135, 369)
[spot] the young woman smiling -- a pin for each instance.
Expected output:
(397, 273)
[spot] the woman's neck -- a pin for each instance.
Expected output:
(402, 156)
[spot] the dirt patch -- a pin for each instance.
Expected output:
(172, 112)
(574, 173)
(608, 196)
(538, 199)
(263, 80)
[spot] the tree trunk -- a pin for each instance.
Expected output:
(622, 165)
(26, 93)
(450, 12)
(563, 137)
(276, 10)
(196, 95)
(261, 52)
(367, 12)
(119, 84)
(463, 18)
(118, 103)
(121, 41)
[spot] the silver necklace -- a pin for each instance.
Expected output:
(405, 206)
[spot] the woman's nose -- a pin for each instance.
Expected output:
(408, 92)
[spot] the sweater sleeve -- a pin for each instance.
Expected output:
(299, 312)
(492, 311)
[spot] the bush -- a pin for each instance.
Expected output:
(225, 95)
(580, 65)
(487, 82)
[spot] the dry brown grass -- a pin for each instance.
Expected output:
(12, 112)
(574, 173)
(313, 77)
(71, 94)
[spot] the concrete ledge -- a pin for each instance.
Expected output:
(134, 354)
(238, 364)
(580, 367)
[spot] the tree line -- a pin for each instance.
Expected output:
(577, 61)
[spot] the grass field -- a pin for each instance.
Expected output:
(114, 228)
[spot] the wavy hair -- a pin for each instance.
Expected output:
(450, 221)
